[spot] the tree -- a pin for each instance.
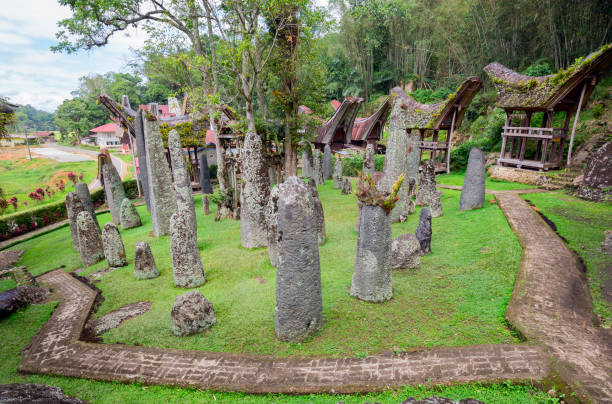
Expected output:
(76, 117)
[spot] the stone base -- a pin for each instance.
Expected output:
(520, 175)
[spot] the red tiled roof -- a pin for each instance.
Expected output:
(163, 109)
(109, 127)
(336, 104)
(303, 109)
(210, 137)
(42, 134)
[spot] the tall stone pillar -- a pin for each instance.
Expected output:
(142, 159)
(114, 191)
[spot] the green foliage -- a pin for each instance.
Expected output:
(598, 110)
(539, 68)
(353, 164)
(212, 171)
(429, 96)
(31, 119)
(487, 137)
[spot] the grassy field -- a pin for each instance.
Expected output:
(463, 286)
(457, 296)
(20, 176)
(582, 224)
(456, 178)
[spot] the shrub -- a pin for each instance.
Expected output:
(212, 171)
(353, 164)
(598, 110)
(16, 224)
(489, 140)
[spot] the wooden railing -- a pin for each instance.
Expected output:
(429, 145)
(535, 133)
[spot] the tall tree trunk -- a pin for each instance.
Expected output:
(289, 147)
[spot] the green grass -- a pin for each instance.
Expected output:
(19, 178)
(457, 177)
(582, 223)
(17, 330)
(458, 296)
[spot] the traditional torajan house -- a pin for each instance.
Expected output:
(337, 131)
(369, 130)
(522, 97)
(430, 119)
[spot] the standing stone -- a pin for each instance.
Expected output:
(436, 205)
(74, 206)
(327, 163)
(144, 263)
(142, 159)
(204, 173)
(113, 190)
(395, 159)
(298, 274)
(162, 199)
(427, 184)
(319, 216)
(410, 208)
(82, 192)
(186, 261)
(255, 193)
(372, 270)
(191, 313)
(317, 168)
(347, 188)
(129, 215)
(113, 246)
(473, 190)
(338, 173)
(423, 231)
(90, 241)
(606, 246)
(413, 155)
(272, 221)
(307, 162)
(405, 252)
(180, 174)
(369, 163)
(206, 205)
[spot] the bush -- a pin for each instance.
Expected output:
(598, 110)
(490, 140)
(19, 223)
(353, 164)
(212, 171)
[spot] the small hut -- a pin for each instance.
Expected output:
(430, 119)
(521, 97)
(337, 131)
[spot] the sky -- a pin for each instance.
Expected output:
(30, 73)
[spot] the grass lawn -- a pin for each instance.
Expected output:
(582, 224)
(457, 296)
(457, 178)
(20, 176)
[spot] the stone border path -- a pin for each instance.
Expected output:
(551, 304)
(56, 349)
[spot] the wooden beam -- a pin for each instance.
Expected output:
(571, 145)
(450, 138)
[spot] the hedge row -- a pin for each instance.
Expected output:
(19, 223)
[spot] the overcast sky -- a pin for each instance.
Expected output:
(30, 73)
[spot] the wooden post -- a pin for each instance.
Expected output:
(449, 140)
(433, 151)
(502, 154)
(28, 144)
(571, 145)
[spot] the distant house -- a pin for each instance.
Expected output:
(108, 136)
(40, 137)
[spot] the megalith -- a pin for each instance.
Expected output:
(337, 176)
(144, 262)
(82, 192)
(395, 158)
(435, 205)
(307, 163)
(317, 169)
(319, 216)
(368, 160)
(298, 272)
(142, 159)
(473, 190)
(74, 206)
(410, 208)
(405, 252)
(327, 163)
(90, 241)
(347, 188)
(162, 199)
(186, 261)
(206, 205)
(181, 180)
(272, 221)
(423, 231)
(204, 173)
(255, 193)
(114, 251)
(129, 215)
(191, 313)
(114, 191)
(427, 184)
(372, 271)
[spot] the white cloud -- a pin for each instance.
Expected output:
(31, 73)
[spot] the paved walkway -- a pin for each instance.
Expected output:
(56, 349)
(551, 304)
